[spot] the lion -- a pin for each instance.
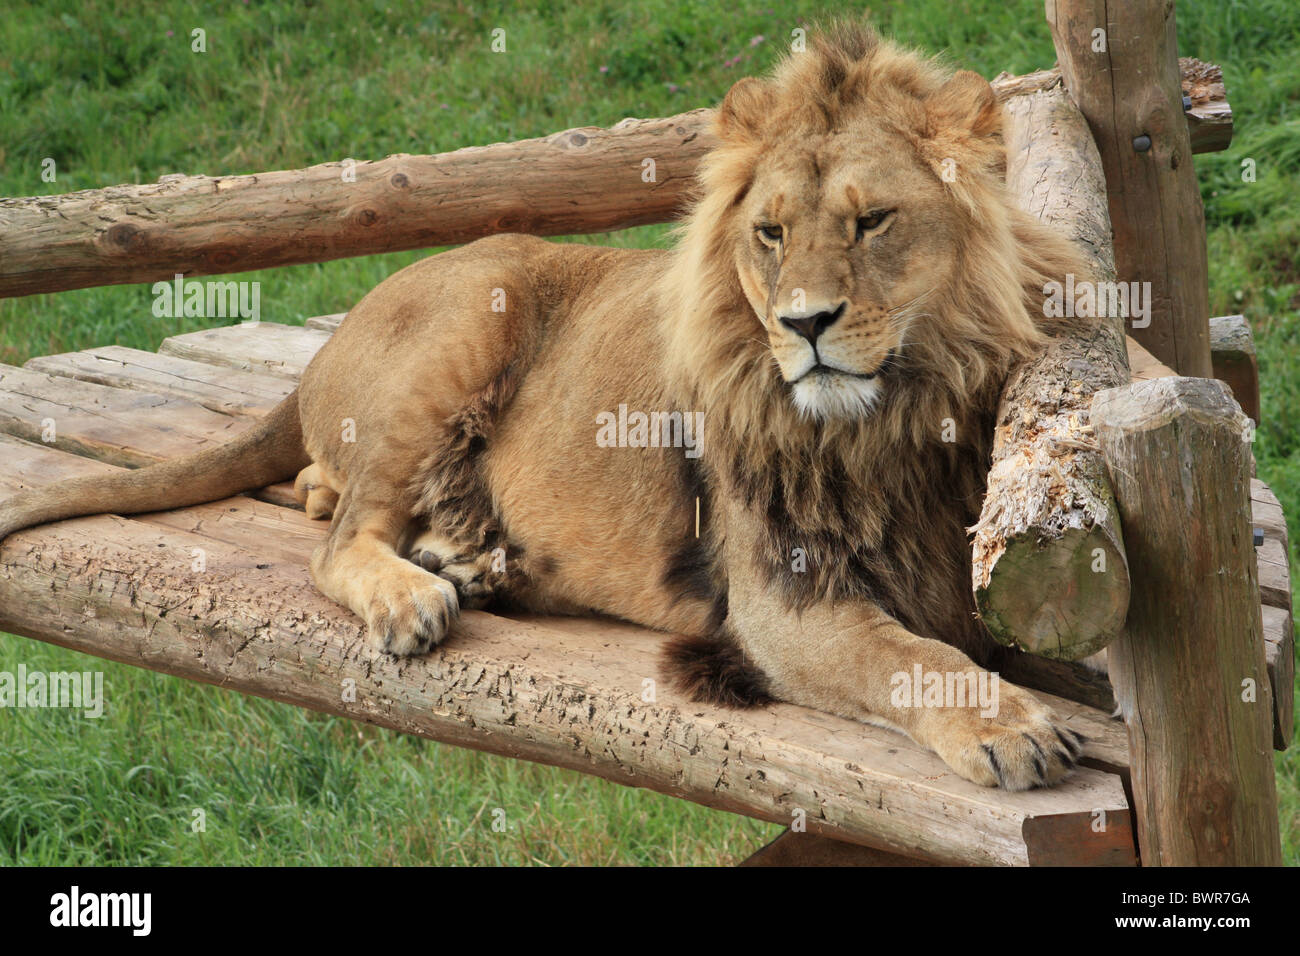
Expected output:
(841, 308)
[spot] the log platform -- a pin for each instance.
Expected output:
(220, 593)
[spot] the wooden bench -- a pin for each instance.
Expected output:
(220, 593)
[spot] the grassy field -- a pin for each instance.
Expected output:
(113, 93)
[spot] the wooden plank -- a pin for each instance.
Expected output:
(265, 347)
(326, 323)
(1232, 354)
(261, 527)
(1267, 512)
(1108, 744)
(562, 692)
(1203, 782)
(1279, 655)
(1275, 593)
(1274, 574)
(27, 465)
(116, 425)
(278, 534)
(290, 536)
(226, 390)
(1068, 679)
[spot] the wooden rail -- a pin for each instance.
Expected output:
(575, 181)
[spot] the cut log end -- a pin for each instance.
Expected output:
(1063, 598)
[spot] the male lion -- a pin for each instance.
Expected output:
(849, 294)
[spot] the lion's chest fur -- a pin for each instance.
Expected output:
(889, 530)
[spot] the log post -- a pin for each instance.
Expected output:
(1120, 64)
(1048, 565)
(1189, 669)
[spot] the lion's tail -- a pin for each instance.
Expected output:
(270, 451)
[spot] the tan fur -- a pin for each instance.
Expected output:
(451, 421)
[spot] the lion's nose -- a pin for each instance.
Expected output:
(811, 326)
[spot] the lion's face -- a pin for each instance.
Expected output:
(853, 235)
(840, 241)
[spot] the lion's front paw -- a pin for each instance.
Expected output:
(408, 613)
(1024, 746)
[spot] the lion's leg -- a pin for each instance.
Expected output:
(407, 610)
(853, 659)
(317, 491)
(858, 662)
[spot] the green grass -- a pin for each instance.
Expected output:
(103, 90)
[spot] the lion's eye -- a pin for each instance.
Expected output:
(770, 233)
(872, 221)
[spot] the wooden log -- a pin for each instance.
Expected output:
(1209, 120)
(575, 181)
(1232, 356)
(1048, 565)
(1126, 81)
(1189, 671)
(1273, 564)
(126, 590)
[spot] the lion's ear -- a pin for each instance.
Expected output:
(747, 105)
(966, 102)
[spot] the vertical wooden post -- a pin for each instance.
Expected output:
(1119, 60)
(1189, 670)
